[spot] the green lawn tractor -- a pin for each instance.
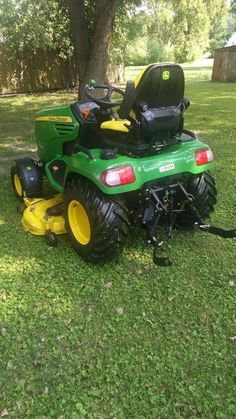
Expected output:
(116, 162)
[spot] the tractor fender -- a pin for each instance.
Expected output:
(179, 159)
(30, 174)
(80, 166)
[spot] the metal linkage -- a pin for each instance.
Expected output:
(225, 234)
(165, 206)
(190, 200)
(217, 231)
(162, 207)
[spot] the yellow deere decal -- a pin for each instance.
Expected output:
(55, 118)
(166, 75)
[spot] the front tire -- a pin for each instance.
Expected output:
(96, 224)
(26, 178)
(203, 189)
(17, 183)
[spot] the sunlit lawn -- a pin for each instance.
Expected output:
(199, 70)
(67, 350)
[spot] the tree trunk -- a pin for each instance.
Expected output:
(92, 54)
(79, 33)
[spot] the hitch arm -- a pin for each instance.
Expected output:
(217, 231)
(151, 227)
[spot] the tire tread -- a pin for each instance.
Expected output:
(109, 221)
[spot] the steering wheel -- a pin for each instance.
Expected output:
(106, 100)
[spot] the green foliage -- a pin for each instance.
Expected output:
(191, 24)
(136, 51)
(146, 40)
(126, 339)
(145, 30)
(232, 19)
(27, 26)
(123, 31)
(218, 13)
(156, 52)
(233, 6)
(160, 28)
(178, 30)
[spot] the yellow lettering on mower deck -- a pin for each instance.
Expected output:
(54, 118)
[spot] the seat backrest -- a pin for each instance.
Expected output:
(127, 103)
(159, 85)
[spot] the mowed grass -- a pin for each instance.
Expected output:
(127, 339)
(199, 70)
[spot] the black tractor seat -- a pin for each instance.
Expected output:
(157, 104)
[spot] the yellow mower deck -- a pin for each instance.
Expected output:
(37, 221)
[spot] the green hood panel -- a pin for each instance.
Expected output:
(54, 128)
(176, 159)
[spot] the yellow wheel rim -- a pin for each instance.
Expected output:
(17, 185)
(79, 222)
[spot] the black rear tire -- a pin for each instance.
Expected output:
(202, 187)
(96, 224)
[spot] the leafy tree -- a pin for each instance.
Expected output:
(149, 32)
(95, 31)
(232, 18)
(27, 26)
(135, 47)
(218, 13)
(122, 34)
(233, 6)
(179, 30)
(80, 27)
(190, 29)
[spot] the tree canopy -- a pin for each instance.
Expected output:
(178, 30)
(29, 26)
(233, 6)
(99, 31)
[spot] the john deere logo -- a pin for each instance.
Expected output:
(166, 75)
(54, 118)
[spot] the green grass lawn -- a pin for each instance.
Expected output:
(127, 339)
(199, 70)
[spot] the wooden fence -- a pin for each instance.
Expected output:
(43, 71)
